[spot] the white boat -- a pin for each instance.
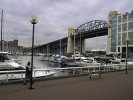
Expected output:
(61, 58)
(52, 58)
(78, 56)
(82, 61)
(20, 74)
(45, 57)
(57, 58)
(87, 63)
(6, 63)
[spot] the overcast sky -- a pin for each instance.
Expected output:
(55, 17)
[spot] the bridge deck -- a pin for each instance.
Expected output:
(111, 86)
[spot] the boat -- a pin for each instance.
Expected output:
(53, 58)
(68, 62)
(45, 57)
(20, 74)
(6, 63)
(87, 62)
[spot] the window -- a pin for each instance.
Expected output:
(119, 28)
(131, 16)
(124, 35)
(124, 27)
(113, 49)
(118, 49)
(119, 39)
(124, 18)
(130, 26)
(119, 19)
(123, 49)
(130, 35)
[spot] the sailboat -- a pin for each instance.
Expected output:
(6, 63)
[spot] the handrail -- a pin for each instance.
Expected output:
(6, 76)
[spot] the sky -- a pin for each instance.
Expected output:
(55, 17)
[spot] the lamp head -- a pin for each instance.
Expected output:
(33, 20)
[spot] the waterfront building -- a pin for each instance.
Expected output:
(120, 27)
(13, 47)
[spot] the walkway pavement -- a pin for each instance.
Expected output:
(111, 86)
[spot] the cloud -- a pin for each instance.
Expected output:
(54, 17)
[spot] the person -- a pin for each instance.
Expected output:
(27, 73)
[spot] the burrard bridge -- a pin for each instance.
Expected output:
(76, 38)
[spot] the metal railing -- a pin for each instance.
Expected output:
(6, 76)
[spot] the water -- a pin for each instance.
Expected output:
(37, 63)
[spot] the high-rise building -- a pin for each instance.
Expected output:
(120, 27)
(15, 43)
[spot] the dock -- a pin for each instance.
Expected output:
(111, 86)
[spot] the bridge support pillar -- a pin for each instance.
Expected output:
(80, 45)
(70, 41)
(83, 46)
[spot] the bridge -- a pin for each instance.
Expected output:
(90, 29)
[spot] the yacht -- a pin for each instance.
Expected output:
(82, 61)
(45, 57)
(87, 62)
(6, 63)
(78, 56)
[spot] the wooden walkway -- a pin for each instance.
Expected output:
(111, 86)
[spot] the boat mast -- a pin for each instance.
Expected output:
(60, 46)
(1, 30)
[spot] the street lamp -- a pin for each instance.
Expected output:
(33, 20)
(127, 40)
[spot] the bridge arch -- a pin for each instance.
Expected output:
(91, 25)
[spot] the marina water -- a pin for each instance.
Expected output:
(37, 63)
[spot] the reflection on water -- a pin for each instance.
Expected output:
(36, 62)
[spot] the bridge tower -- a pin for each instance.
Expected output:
(70, 40)
(80, 44)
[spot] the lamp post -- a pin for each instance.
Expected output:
(33, 20)
(127, 40)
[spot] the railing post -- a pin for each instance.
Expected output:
(59, 72)
(73, 71)
(104, 69)
(21, 75)
(81, 71)
(34, 73)
(7, 77)
(88, 70)
(66, 71)
(94, 69)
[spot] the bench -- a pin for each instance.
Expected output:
(95, 73)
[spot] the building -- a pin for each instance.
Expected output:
(11, 46)
(120, 27)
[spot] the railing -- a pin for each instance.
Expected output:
(8, 76)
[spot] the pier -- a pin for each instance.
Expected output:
(111, 86)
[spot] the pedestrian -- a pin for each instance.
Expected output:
(27, 73)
